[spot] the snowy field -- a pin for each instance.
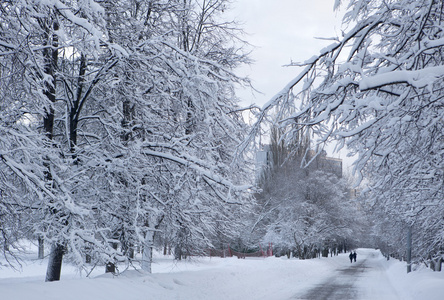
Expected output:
(372, 277)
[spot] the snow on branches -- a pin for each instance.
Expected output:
(378, 90)
(120, 126)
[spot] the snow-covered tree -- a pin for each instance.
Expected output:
(377, 89)
(121, 130)
(303, 208)
(36, 39)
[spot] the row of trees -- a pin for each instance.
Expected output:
(120, 131)
(119, 128)
(119, 125)
(378, 91)
(305, 205)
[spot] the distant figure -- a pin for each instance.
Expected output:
(351, 257)
(354, 256)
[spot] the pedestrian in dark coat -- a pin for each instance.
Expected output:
(354, 256)
(351, 257)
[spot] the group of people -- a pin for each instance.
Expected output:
(352, 256)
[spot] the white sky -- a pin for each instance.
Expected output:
(283, 31)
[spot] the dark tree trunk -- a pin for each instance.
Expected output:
(438, 265)
(50, 55)
(76, 107)
(325, 252)
(111, 266)
(127, 121)
(127, 248)
(165, 249)
(409, 249)
(88, 257)
(55, 263)
(41, 247)
(189, 123)
(431, 264)
(131, 252)
(178, 252)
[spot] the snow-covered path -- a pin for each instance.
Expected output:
(340, 285)
(365, 279)
(372, 277)
(374, 281)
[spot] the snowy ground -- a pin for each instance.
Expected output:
(372, 277)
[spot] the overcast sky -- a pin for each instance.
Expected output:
(283, 31)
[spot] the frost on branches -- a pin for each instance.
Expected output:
(119, 128)
(378, 90)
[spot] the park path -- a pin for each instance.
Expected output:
(364, 280)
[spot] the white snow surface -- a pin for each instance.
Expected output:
(226, 278)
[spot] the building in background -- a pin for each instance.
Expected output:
(316, 162)
(263, 159)
(325, 163)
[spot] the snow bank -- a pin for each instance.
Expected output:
(218, 278)
(423, 283)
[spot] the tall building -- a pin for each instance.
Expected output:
(325, 163)
(263, 159)
(319, 162)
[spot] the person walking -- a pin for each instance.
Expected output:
(351, 257)
(354, 256)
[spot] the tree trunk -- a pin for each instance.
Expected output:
(41, 248)
(76, 107)
(88, 257)
(325, 251)
(147, 253)
(432, 263)
(165, 249)
(178, 249)
(55, 263)
(178, 252)
(131, 252)
(111, 266)
(409, 249)
(50, 55)
(438, 265)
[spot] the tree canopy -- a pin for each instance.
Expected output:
(119, 121)
(378, 91)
